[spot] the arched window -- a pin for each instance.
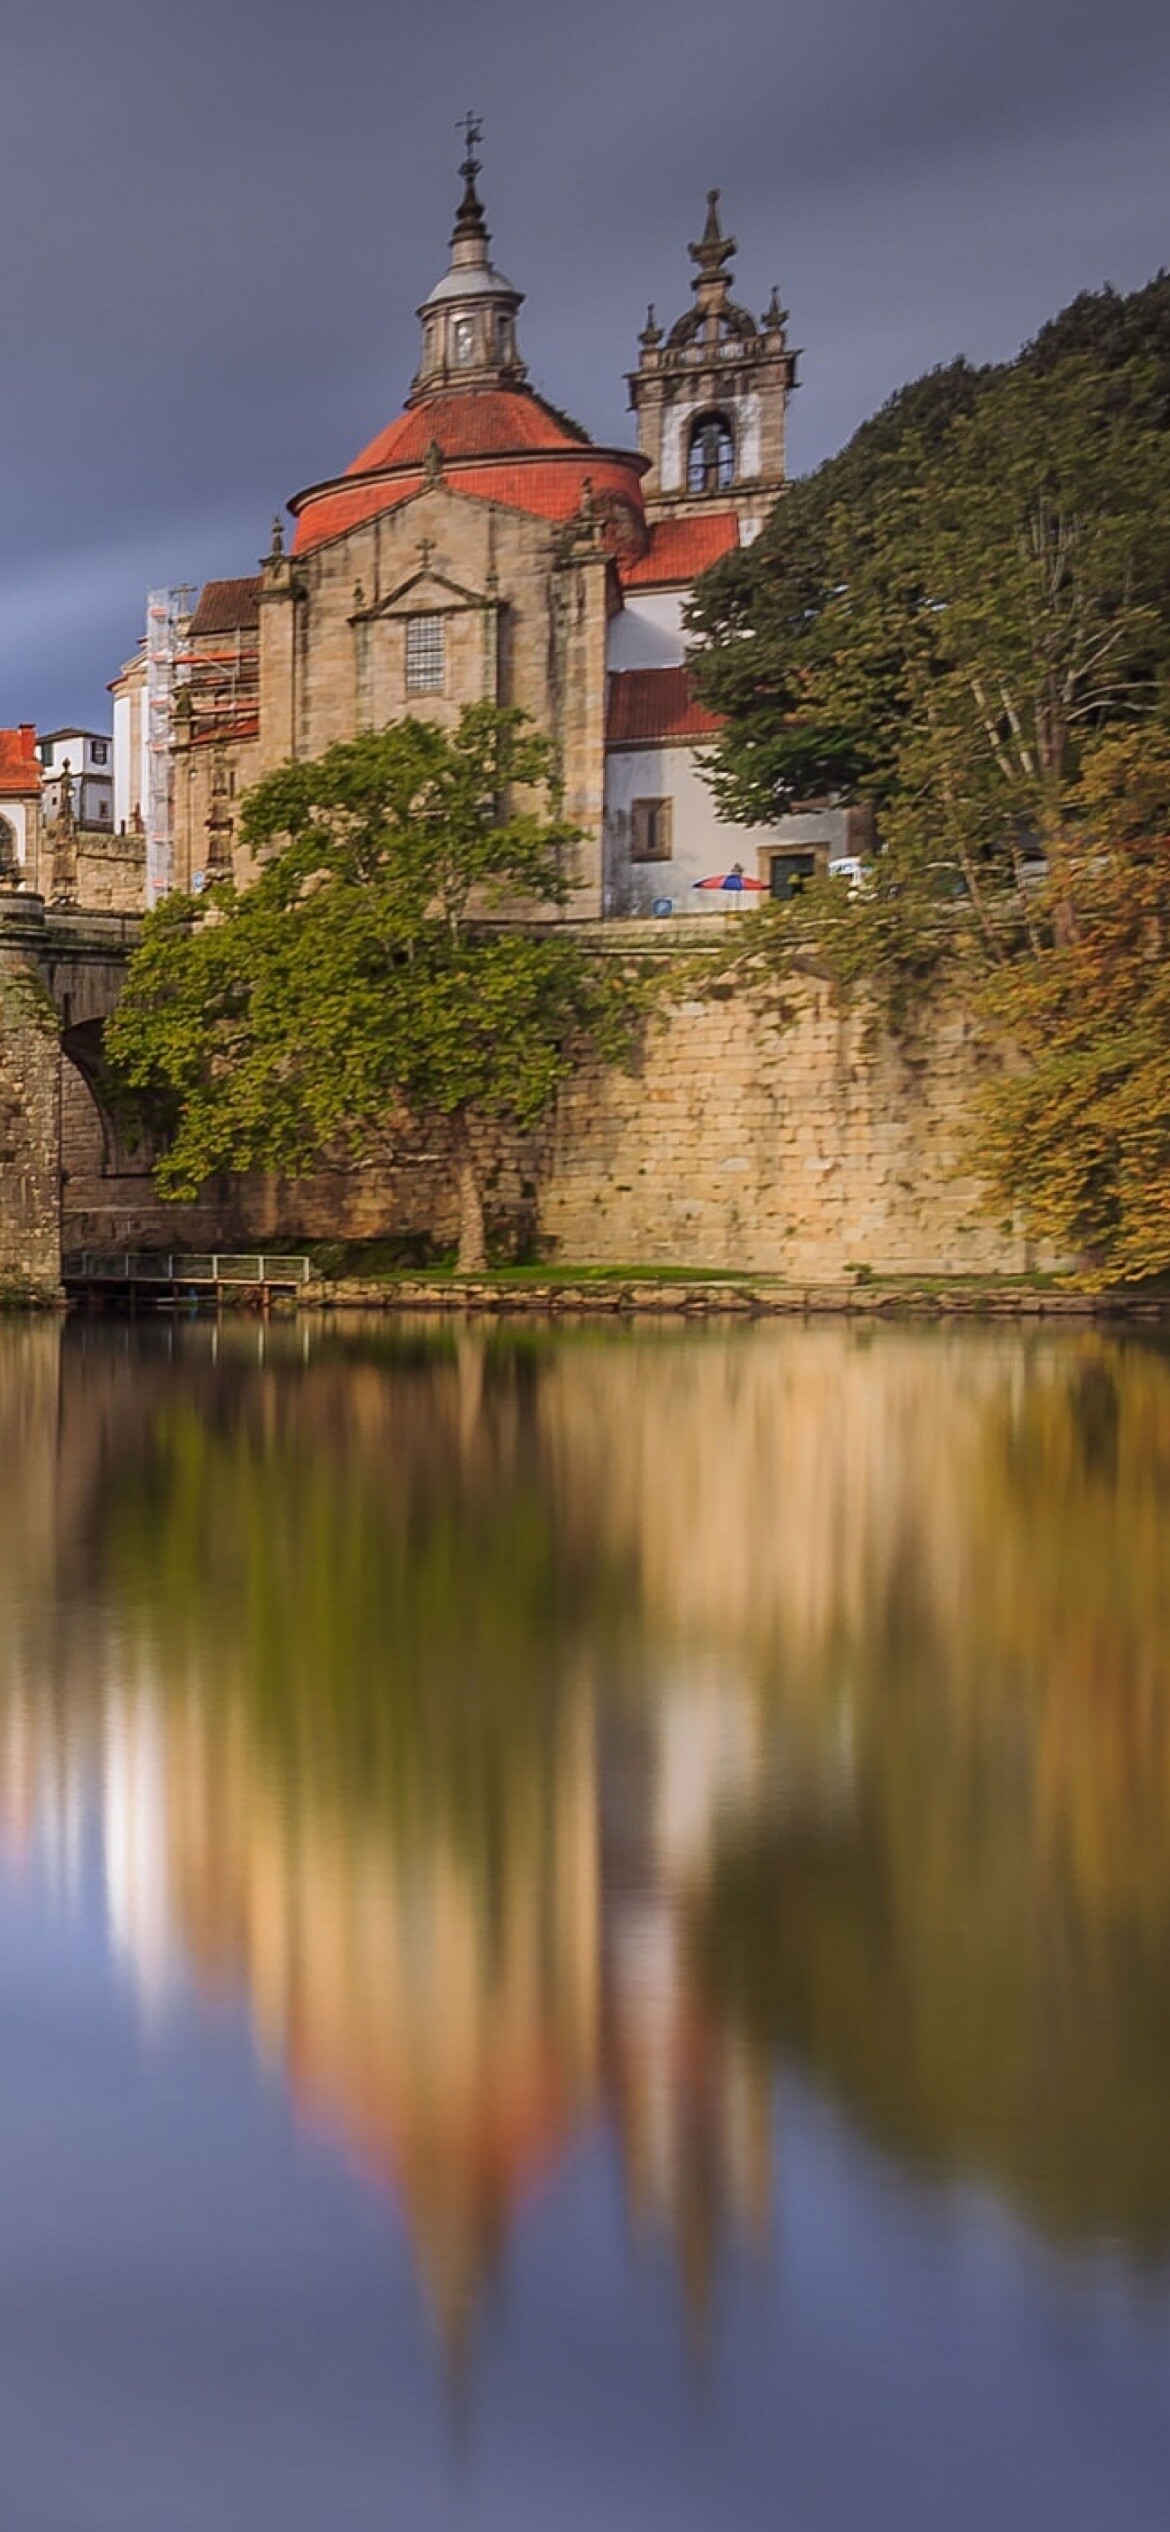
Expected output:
(9, 858)
(710, 454)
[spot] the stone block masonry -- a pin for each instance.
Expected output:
(782, 1137)
(30, 1135)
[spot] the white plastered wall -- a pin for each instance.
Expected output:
(648, 631)
(703, 845)
(15, 815)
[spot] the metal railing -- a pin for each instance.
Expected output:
(213, 1266)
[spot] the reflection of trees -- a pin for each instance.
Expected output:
(376, 1575)
(976, 1954)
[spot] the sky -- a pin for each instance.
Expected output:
(219, 217)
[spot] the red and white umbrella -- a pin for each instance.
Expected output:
(734, 881)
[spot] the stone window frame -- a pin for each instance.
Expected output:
(723, 477)
(652, 829)
(425, 654)
(791, 866)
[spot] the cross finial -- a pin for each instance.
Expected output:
(469, 220)
(426, 547)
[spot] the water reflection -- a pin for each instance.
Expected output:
(547, 1736)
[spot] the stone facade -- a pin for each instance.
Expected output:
(30, 1127)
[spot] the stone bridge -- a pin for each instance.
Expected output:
(61, 972)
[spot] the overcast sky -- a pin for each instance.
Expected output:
(219, 215)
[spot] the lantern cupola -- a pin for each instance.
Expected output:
(469, 319)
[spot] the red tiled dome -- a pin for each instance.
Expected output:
(496, 444)
(487, 422)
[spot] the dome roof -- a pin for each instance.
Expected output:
(472, 281)
(471, 422)
(492, 446)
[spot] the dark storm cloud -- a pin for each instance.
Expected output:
(220, 215)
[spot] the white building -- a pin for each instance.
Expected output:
(84, 760)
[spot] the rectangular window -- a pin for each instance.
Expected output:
(99, 752)
(426, 660)
(651, 838)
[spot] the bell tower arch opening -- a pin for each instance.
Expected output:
(710, 454)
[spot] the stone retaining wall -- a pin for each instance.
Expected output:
(782, 1139)
(30, 1115)
(785, 1139)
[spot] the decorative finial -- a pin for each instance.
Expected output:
(714, 251)
(651, 334)
(469, 219)
(775, 317)
(276, 549)
(432, 463)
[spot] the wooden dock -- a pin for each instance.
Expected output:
(144, 1279)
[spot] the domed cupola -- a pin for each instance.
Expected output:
(472, 425)
(469, 319)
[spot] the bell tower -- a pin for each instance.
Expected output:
(711, 397)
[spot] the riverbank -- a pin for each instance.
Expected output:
(609, 1293)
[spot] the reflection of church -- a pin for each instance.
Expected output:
(482, 546)
(457, 2034)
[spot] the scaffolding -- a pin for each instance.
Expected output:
(166, 611)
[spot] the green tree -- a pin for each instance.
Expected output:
(964, 621)
(1076, 1131)
(366, 976)
(940, 618)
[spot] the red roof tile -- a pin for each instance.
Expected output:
(227, 606)
(680, 549)
(20, 766)
(548, 484)
(652, 707)
(471, 422)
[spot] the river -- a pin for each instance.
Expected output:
(584, 1929)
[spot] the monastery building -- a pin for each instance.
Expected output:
(483, 546)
